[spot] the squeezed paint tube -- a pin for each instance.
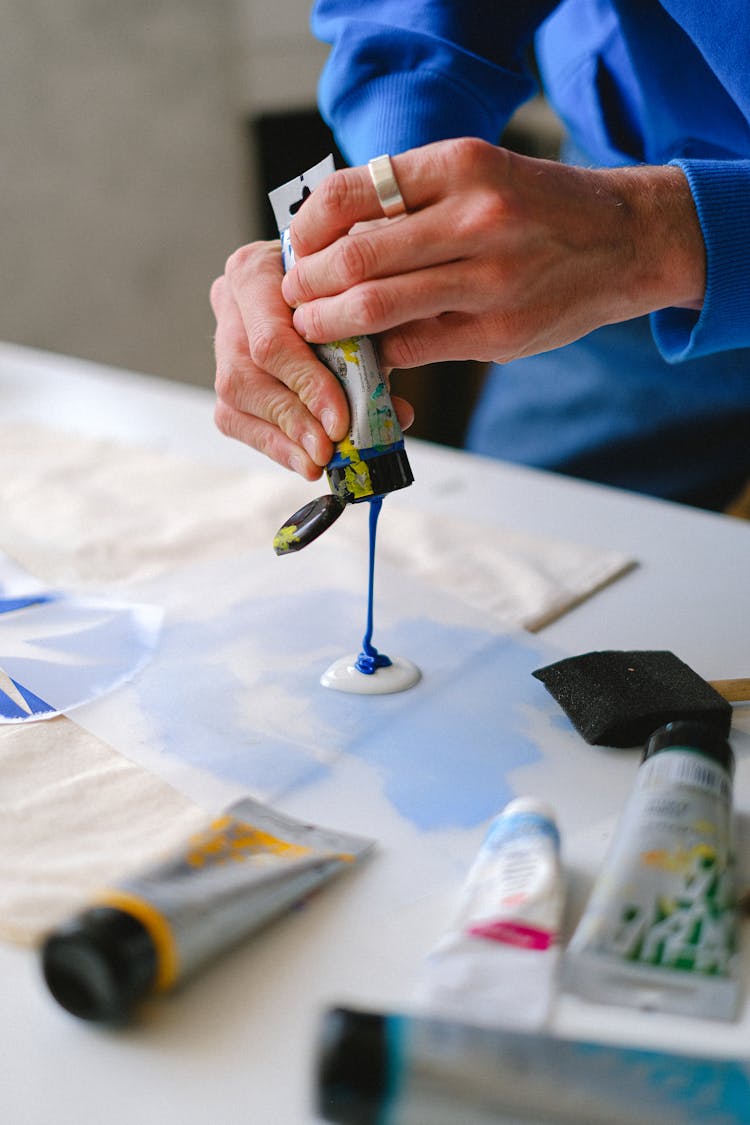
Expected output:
(498, 964)
(391, 1069)
(660, 927)
(371, 460)
(153, 929)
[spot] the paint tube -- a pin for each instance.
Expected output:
(660, 927)
(371, 460)
(391, 1069)
(142, 936)
(498, 964)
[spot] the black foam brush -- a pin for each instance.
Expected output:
(616, 698)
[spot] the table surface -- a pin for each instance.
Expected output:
(238, 1042)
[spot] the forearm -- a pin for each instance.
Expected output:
(403, 73)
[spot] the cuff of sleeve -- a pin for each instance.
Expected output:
(398, 111)
(721, 192)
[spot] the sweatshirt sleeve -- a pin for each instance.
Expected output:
(721, 192)
(403, 73)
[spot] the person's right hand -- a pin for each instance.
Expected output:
(271, 390)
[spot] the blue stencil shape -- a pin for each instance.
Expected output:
(10, 605)
(62, 652)
(10, 709)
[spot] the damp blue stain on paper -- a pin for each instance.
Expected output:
(237, 693)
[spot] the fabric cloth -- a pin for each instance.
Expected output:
(93, 514)
(632, 82)
(74, 816)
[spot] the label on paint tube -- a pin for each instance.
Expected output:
(660, 928)
(498, 963)
(371, 460)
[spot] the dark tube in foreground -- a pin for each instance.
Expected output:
(389, 1069)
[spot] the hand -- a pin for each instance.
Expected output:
(272, 391)
(498, 256)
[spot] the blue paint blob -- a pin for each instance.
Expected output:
(369, 659)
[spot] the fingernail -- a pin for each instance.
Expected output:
(328, 421)
(296, 464)
(309, 444)
(299, 321)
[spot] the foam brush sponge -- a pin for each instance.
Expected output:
(619, 699)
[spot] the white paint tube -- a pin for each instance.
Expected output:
(498, 963)
(660, 927)
(154, 929)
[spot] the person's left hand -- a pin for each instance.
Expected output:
(498, 256)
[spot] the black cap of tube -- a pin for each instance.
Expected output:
(99, 965)
(697, 736)
(353, 1064)
(388, 472)
(308, 523)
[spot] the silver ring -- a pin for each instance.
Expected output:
(391, 199)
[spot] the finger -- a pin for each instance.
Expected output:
(404, 411)
(378, 305)
(255, 407)
(254, 282)
(423, 174)
(447, 338)
(266, 438)
(410, 242)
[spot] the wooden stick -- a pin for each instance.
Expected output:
(734, 691)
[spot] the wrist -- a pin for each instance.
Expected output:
(667, 252)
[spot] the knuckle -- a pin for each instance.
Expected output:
(355, 260)
(305, 386)
(223, 418)
(282, 412)
(370, 307)
(217, 291)
(243, 260)
(225, 383)
(313, 322)
(335, 192)
(469, 154)
(266, 349)
(403, 350)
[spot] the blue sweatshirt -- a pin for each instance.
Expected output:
(633, 81)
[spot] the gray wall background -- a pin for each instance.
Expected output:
(125, 176)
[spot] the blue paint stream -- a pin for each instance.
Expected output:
(369, 659)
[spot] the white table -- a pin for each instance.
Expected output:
(237, 1044)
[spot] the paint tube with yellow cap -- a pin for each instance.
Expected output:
(371, 460)
(156, 928)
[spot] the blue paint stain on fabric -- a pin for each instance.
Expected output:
(10, 605)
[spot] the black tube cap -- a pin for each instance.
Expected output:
(695, 736)
(99, 965)
(387, 472)
(353, 1076)
(308, 523)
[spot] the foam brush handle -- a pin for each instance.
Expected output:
(734, 691)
